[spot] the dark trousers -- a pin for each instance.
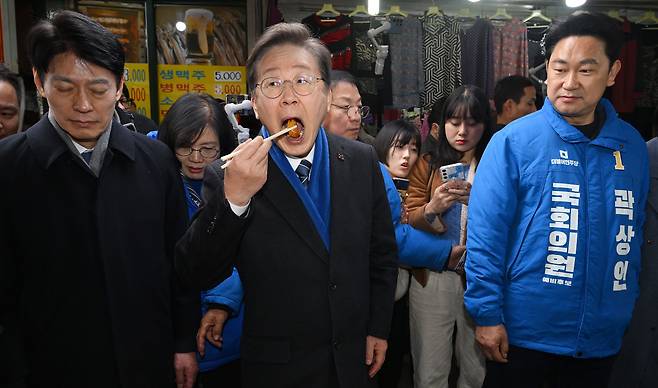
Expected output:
(224, 376)
(527, 368)
(398, 345)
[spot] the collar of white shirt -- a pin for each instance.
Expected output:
(294, 162)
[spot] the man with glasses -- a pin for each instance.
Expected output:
(130, 118)
(344, 116)
(306, 221)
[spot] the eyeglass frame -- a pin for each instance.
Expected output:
(292, 85)
(199, 150)
(127, 101)
(347, 108)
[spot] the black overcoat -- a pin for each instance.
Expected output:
(88, 293)
(307, 311)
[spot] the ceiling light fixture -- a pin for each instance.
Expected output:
(574, 3)
(373, 7)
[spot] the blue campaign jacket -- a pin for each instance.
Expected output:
(229, 293)
(551, 252)
(416, 248)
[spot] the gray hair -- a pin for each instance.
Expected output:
(295, 34)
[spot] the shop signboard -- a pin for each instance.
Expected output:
(217, 81)
(136, 77)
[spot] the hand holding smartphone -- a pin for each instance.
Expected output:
(455, 171)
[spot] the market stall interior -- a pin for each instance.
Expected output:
(404, 54)
(432, 47)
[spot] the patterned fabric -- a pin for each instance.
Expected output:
(441, 60)
(364, 51)
(303, 171)
(407, 63)
(510, 49)
(477, 56)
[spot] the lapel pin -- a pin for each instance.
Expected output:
(340, 156)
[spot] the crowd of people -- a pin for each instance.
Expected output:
(509, 248)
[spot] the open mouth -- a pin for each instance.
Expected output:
(296, 133)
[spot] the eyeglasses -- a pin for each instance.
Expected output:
(302, 85)
(205, 152)
(353, 110)
(126, 101)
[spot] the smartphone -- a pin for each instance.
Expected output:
(456, 171)
(401, 183)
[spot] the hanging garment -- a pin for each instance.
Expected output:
(336, 33)
(647, 66)
(510, 49)
(364, 51)
(441, 57)
(407, 63)
(622, 93)
(477, 56)
(274, 16)
(364, 56)
(535, 54)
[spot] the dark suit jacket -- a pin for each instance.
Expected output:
(307, 311)
(88, 294)
(637, 364)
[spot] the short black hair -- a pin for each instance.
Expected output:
(511, 87)
(467, 101)
(68, 31)
(436, 111)
(12, 79)
(295, 34)
(338, 76)
(597, 25)
(187, 118)
(398, 132)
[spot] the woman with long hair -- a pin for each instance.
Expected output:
(437, 314)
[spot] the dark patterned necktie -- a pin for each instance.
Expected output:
(303, 171)
(87, 156)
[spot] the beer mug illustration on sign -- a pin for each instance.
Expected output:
(199, 35)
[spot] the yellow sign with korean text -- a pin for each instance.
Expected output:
(136, 77)
(217, 81)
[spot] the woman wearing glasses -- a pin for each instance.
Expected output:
(345, 113)
(197, 130)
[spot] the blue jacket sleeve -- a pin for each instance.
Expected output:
(416, 248)
(491, 212)
(229, 293)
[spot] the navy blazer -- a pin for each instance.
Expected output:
(307, 310)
